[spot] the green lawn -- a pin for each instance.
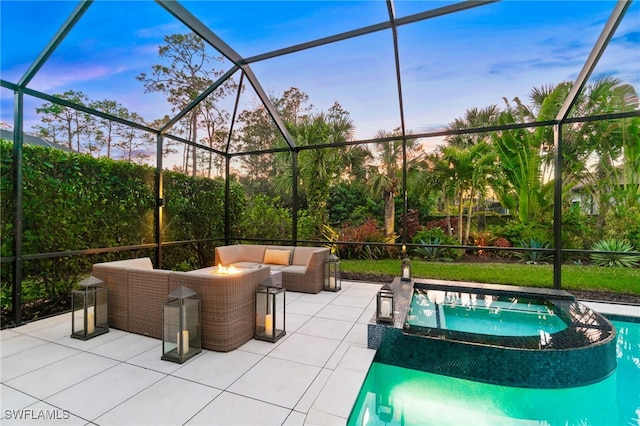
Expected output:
(574, 277)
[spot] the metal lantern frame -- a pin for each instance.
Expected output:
(90, 303)
(270, 311)
(405, 269)
(181, 331)
(332, 273)
(385, 304)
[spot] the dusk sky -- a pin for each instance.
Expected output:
(449, 64)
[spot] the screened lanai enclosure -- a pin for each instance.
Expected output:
(383, 129)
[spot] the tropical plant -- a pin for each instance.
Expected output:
(521, 187)
(431, 251)
(471, 168)
(533, 257)
(385, 176)
(434, 238)
(369, 231)
(615, 254)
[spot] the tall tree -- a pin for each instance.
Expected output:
(474, 118)
(385, 174)
(187, 70)
(521, 188)
(470, 169)
(65, 125)
(607, 147)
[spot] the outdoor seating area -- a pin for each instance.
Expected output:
(137, 292)
(310, 376)
(302, 267)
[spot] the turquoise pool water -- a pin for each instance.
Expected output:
(398, 396)
(492, 315)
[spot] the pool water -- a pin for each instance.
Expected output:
(491, 315)
(399, 396)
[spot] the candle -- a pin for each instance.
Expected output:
(183, 342)
(385, 308)
(268, 325)
(91, 323)
(405, 272)
(332, 282)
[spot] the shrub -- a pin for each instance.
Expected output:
(614, 259)
(533, 257)
(369, 231)
(436, 237)
(412, 222)
(518, 231)
(266, 218)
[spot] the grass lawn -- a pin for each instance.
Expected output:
(574, 277)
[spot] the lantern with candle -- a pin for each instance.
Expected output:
(90, 309)
(385, 304)
(332, 273)
(270, 311)
(405, 269)
(181, 335)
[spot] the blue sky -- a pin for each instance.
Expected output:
(449, 64)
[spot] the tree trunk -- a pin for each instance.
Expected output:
(448, 213)
(460, 220)
(194, 139)
(389, 215)
(469, 213)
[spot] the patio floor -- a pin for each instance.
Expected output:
(311, 376)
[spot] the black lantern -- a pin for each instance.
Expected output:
(385, 305)
(405, 269)
(270, 302)
(90, 309)
(332, 273)
(181, 335)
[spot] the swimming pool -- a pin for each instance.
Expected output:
(395, 395)
(504, 335)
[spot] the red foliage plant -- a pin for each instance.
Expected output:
(413, 224)
(369, 230)
(442, 224)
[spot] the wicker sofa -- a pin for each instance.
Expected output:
(302, 267)
(137, 293)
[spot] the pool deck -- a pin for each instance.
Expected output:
(310, 377)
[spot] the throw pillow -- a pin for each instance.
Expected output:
(277, 257)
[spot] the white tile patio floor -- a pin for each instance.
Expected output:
(310, 377)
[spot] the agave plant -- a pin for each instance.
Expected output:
(533, 257)
(433, 253)
(618, 259)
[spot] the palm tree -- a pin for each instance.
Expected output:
(519, 153)
(471, 167)
(319, 169)
(385, 176)
(441, 178)
(607, 143)
(473, 118)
